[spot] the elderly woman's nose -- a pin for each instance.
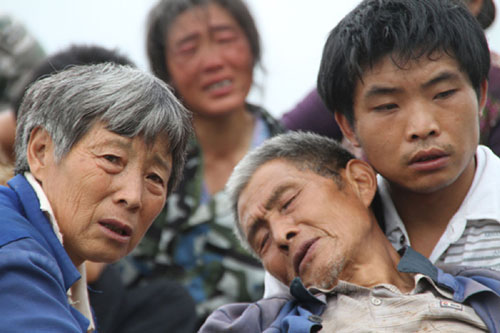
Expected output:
(130, 190)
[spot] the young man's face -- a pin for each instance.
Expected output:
(418, 125)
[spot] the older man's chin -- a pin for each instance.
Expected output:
(274, 287)
(324, 276)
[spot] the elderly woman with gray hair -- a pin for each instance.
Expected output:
(98, 150)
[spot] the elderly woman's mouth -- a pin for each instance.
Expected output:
(117, 228)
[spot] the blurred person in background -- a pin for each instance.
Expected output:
(485, 12)
(207, 51)
(19, 53)
(73, 55)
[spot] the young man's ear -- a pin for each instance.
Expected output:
(363, 180)
(346, 129)
(39, 152)
(483, 95)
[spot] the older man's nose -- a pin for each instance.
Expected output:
(284, 230)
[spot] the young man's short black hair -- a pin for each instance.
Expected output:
(406, 30)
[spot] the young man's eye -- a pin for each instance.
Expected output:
(385, 107)
(446, 93)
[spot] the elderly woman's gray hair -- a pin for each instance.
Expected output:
(307, 151)
(128, 101)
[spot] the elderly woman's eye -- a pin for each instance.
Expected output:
(112, 158)
(157, 179)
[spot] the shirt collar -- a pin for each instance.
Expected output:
(44, 204)
(392, 221)
(413, 262)
(485, 188)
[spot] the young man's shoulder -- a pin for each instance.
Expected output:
(486, 155)
(487, 171)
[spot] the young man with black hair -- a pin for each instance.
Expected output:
(407, 80)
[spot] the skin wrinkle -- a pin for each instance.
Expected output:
(96, 189)
(330, 239)
(317, 230)
(213, 56)
(433, 109)
(385, 72)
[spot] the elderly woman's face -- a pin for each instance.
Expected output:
(209, 60)
(105, 192)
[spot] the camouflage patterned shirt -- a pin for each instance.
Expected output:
(192, 239)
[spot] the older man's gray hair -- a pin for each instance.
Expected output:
(307, 151)
(129, 101)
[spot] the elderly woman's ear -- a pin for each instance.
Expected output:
(40, 150)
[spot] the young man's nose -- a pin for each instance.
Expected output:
(422, 123)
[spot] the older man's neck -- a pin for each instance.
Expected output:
(376, 263)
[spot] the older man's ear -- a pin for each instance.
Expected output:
(362, 179)
(40, 149)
